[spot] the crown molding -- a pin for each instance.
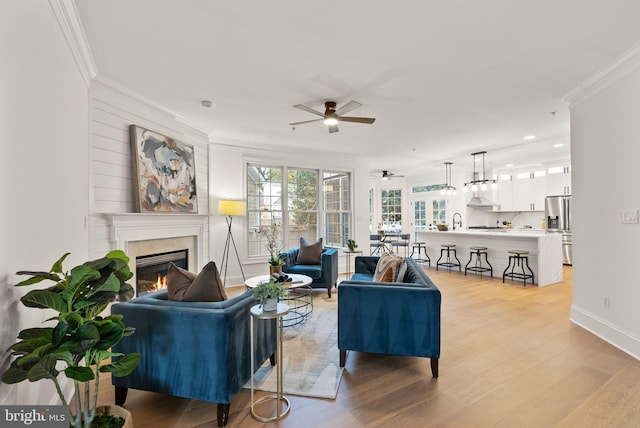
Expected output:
(67, 16)
(611, 73)
(102, 83)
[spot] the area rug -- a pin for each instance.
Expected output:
(311, 360)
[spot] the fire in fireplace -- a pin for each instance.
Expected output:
(151, 270)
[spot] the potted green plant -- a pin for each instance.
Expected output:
(81, 338)
(267, 294)
(352, 244)
(272, 234)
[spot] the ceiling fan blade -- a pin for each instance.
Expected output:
(368, 120)
(351, 105)
(305, 121)
(308, 109)
(333, 128)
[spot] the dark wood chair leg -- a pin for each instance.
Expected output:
(121, 395)
(434, 367)
(343, 357)
(223, 414)
(272, 359)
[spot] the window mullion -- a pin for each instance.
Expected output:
(285, 205)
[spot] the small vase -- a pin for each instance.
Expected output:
(270, 305)
(274, 269)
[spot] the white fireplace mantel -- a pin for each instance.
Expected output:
(126, 228)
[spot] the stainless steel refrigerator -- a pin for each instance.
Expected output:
(557, 210)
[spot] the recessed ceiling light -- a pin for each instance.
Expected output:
(509, 165)
(207, 104)
(529, 137)
(558, 145)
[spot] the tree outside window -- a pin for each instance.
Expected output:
(296, 209)
(420, 215)
(391, 206)
(439, 211)
(302, 197)
(264, 205)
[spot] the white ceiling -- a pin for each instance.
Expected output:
(443, 78)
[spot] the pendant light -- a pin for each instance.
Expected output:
(479, 183)
(448, 188)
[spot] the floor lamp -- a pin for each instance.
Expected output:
(230, 209)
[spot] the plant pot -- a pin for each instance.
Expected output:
(270, 305)
(116, 411)
(274, 269)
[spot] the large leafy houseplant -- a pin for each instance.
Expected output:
(81, 339)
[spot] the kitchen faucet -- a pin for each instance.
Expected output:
(459, 221)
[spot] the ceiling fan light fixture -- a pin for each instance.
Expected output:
(332, 116)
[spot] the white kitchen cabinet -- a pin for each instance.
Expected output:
(529, 193)
(505, 195)
(559, 181)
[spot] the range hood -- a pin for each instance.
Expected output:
(480, 202)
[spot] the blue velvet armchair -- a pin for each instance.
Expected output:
(196, 350)
(394, 318)
(324, 275)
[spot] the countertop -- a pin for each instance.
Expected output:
(520, 233)
(545, 249)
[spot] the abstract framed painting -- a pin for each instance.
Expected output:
(165, 174)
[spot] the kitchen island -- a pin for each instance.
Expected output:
(545, 249)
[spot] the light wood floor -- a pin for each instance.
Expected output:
(510, 358)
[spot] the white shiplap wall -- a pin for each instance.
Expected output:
(111, 170)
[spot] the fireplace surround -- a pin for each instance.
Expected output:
(145, 234)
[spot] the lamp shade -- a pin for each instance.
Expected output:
(232, 207)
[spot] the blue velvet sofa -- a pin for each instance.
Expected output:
(324, 275)
(196, 350)
(395, 318)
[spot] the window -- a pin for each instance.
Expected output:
(370, 210)
(264, 204)
(420, 215)
(292, 197)
(337, 208)
(391, 205)
(439, 211)
(302, 204)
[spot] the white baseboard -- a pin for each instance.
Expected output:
(605, 330)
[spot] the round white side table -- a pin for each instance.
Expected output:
(257, 312)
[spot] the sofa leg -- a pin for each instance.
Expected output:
(343, 357)
(121, 395)
(329, 292)
(272, 359)
(434, 367)
(223, 414)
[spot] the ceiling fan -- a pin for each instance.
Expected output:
(331, 116)
(386, 175)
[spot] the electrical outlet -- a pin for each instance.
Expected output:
(605, 302)
(629, 216)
